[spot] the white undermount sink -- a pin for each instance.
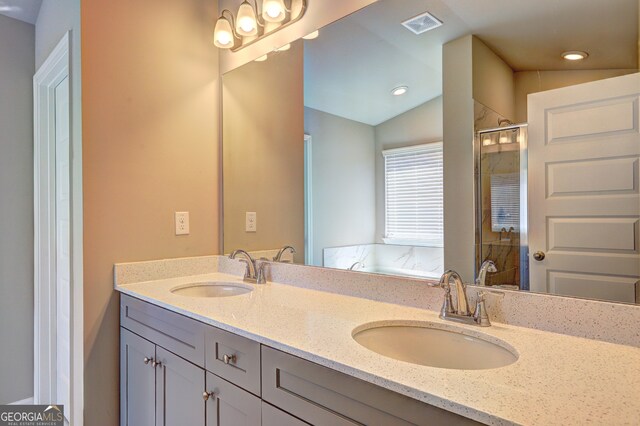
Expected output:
(212, 289)
(432, 345)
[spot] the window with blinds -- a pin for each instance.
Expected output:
(505, 202)
(413, 195)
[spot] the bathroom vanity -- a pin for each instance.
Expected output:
(289, 352)
(177, 370)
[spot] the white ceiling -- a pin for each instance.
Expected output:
(352, 67)
(24, 10)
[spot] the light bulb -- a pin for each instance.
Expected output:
(400, 90)
(575, 55)
(223, 34)
(246, 22)
(273, 10)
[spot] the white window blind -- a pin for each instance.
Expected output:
(413, 195)
(505, 201)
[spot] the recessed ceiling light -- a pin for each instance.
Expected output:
(312, 35)
(575, 55)
(400, 90)
(283, 48)
(262, 58)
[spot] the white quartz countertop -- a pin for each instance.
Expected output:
(557, 380)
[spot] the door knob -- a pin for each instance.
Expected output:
(206, 395)
(147, 360)
(539, 256)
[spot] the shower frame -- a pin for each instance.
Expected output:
(524, 224)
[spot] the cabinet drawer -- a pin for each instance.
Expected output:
(230, 405)
(233, 358)
(271, 416)
(320, 396)
(177, 333)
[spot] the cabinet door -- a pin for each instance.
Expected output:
(229, 405)
(271, 416)
(137, 380)
(179, 388)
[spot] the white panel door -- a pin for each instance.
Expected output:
(584, 204)
(63, 244)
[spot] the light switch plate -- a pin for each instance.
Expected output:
(182, 223)
(251, 222)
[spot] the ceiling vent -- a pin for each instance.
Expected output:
(422, 23)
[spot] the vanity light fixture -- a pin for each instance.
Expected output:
(575, 55)
(400, 90)
(312, 35)
(273, 10)
(253, 22)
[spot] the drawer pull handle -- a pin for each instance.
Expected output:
(206, 395)
(229, 359)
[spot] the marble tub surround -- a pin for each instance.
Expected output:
(388, 258)
(557, 380)
(591, 319)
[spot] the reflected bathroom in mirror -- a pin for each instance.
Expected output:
(413, 137)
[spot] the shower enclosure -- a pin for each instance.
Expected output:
(501, 204)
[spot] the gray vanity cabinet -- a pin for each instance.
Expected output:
(137, 380)
(271, 416)
(228, 405)
(176, 371)
(179, 387)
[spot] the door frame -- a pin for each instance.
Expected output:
(308, 200)
(55, 68)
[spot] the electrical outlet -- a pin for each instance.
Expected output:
(182, 223)
(251, 222)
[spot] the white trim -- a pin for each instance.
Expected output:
(55, 69)
(413, 148)
(308, 201)
(26, 401)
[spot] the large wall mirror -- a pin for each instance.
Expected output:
(415, 136)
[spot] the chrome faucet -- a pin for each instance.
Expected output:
(487, 266)
(278, 257)
(460, 312)
(253, 274)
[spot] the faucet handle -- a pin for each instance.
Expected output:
(481, 316)
(260, 276)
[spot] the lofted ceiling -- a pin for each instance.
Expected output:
(352, 67)
(24, 10)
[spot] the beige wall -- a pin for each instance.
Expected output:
(417, 126)
(16, 207)
(528, 82)
(458, 135)
(493, 84)
(263, 153)
(150, 130)
(319, 14)
(343, 168)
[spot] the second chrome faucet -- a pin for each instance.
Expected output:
(460, 312)
(255, 272)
